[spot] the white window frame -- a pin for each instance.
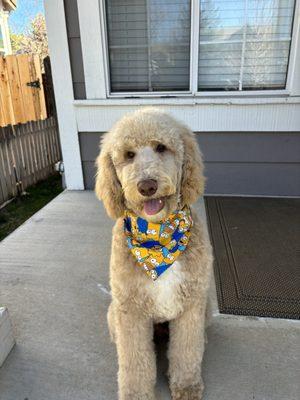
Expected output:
(2, 49)
(194, 51)
(181, 93)
(6, 49)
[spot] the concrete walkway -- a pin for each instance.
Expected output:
(54, 281)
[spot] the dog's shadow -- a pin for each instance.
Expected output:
(161, 341)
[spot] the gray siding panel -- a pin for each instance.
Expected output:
(250, 146)
(89, 145)
(266, 163)
(89, 172)
(264, 179)
(79, 90)
(75, 50)
(72, 19)
(75, 57)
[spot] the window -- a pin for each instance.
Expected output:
(239, 44)
(149, 44)
(244, 44)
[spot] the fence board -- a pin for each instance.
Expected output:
(20, 100)
(4, 182)
(15, 88)
(48, 148)
(2, 111)
(11, 178)
(20, 164)
(27, 180)
(34, 151)
(27, 92)
(41, 92)
(39, 148)
(7, 106)
(28, 153)
(34, 92)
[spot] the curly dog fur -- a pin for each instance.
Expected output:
(129, 154)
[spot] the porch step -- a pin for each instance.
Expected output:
(7, 340)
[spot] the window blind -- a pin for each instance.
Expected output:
(244, 44)
(149, 44)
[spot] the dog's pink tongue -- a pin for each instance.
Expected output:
(153, 206)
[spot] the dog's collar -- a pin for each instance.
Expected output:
(156, 246)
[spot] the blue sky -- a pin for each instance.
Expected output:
(25, 12)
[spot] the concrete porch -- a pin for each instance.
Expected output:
(54, 281)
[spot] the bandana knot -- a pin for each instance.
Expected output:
(156, 246)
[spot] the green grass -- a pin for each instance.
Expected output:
(20, 209)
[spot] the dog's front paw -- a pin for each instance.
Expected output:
(137, 396)
(193, 392)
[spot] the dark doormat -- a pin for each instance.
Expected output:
(257, 258)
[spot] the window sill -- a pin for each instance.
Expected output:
(246, 99)
(280, 113)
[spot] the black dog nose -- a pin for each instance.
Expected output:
(147, 187)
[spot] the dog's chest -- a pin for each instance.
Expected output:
(165, 293)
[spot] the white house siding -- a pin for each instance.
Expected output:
(4, 15)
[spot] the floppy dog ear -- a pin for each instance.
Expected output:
(192, 180)
(107, 187)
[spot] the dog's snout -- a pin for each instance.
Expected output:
(147, 187)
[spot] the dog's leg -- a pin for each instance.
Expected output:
(137, 363)
(111, 322)
(185, 354)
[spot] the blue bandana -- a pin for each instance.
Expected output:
(156, 246)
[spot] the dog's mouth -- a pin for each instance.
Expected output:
(153, 206)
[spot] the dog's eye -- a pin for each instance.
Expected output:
(161, 148)
(130, 155)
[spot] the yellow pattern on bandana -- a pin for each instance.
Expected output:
(156, 246)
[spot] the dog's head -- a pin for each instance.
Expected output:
(149, 163)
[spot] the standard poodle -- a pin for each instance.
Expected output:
(150, 172)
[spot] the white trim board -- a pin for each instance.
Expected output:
(200, 96)
(210, 117)
(92, 48)
(293, 74)
(63, 87)
(4, 15)
(189, 101)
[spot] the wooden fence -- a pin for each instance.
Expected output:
(28, 153)
(22, 96)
